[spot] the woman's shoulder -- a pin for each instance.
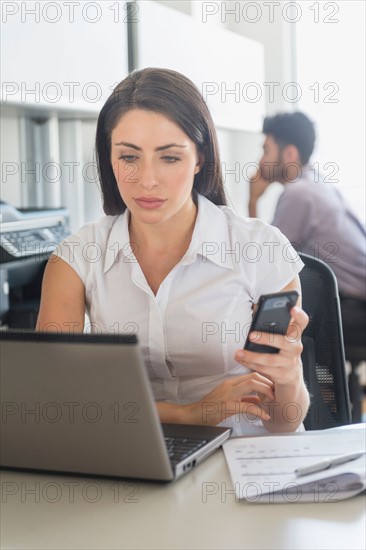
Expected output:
(95, 231)
(240, 228)
(252, 228)
(88, 244)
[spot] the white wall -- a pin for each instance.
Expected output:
(238, 149)
(60, 61)
(276, 33)
(331, 72)
(218, 61)
(242, 149)
(58, 55)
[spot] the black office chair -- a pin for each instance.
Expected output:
(323, 354)
(353, 312)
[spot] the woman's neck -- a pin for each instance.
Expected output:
(175, 233)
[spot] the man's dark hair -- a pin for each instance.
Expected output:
(292, 129)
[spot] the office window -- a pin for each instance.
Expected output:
(331, 74)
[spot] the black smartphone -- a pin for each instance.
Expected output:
(273, 316)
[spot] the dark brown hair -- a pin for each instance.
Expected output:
(175, 96)
(292, 129)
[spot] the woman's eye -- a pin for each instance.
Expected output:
(128, 158)
(171, 160)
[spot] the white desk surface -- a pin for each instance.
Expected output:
(182, 515)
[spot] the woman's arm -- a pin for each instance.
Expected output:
(283, 399)
(228, 398)
(291, 403)
(63, 309)
(62, 306)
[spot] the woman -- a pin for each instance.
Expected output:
(173, 263)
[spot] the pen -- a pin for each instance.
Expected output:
(327, 463)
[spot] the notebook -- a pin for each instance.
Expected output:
(83, 404)
(314, 466)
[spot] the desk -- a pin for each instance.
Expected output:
(42, 511)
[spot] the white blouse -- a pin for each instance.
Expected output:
(202, 311)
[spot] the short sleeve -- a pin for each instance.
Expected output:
(76, 249)
(277, 265)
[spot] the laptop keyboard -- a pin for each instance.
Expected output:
(181, 447)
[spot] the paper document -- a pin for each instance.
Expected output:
(263, 469)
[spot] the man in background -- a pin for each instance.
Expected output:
(313, 214)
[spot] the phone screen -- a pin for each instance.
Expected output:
(273, 316)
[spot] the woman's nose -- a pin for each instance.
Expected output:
(146, 176)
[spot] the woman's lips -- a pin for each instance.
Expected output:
(149, 203)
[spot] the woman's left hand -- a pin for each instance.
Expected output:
(285, 367)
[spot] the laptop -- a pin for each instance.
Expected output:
(83, 404)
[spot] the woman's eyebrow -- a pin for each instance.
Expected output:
(161, 148)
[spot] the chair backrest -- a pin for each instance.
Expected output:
(323, 355)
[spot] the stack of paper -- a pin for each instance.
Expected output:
(271, 468)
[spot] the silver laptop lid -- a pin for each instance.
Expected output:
(71, 406)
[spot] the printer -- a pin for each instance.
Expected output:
(28, 236)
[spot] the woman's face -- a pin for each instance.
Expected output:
(154, 163)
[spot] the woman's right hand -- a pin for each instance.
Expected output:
(232, 397)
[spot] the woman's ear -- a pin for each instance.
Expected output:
(200, 163)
